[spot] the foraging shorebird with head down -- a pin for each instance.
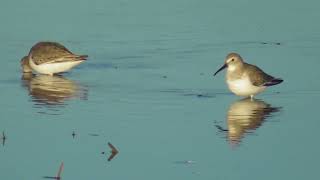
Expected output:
(244, 79)
(50, 58)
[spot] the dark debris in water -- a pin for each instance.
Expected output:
(3, 138)
(271, 43)
(73, 134)
(114, 151)
(200, 95)
(58, 177)
(221, 129)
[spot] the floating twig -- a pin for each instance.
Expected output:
(114, 151)
(58, 177)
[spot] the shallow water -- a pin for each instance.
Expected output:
(148, 89)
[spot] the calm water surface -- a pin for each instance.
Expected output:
(148, 89)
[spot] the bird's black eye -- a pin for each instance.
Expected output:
(232, 59)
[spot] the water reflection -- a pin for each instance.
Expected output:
(244, 116)
(52, 92)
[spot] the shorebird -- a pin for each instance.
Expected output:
(244, 79)
(51, 58)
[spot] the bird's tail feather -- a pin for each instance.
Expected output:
(273, 82)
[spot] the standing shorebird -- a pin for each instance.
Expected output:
(50, 58)
(245, 79)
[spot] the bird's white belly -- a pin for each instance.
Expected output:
(53, 68)
(243, 87)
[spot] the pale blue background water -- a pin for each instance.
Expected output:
(148, 88)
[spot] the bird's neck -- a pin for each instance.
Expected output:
(235, 71)
(235, 67)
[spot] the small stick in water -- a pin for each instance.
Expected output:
(58, 177)
(114, 151)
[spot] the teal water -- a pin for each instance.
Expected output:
(148, 89)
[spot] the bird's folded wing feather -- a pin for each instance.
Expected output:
(49, 52)
(257, 76)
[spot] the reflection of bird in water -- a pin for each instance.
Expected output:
(52, 90)
(246, 115)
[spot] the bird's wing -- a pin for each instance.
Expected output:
(49, 52)
(50, 46)
(257, 76)
(66, 58)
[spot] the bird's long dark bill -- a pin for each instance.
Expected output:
(223, 67)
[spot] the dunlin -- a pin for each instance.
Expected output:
(51, 58)
(245, 79)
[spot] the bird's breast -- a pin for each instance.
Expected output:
(243, 87)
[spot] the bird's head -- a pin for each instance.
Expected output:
(25, 65)
(232, 61)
